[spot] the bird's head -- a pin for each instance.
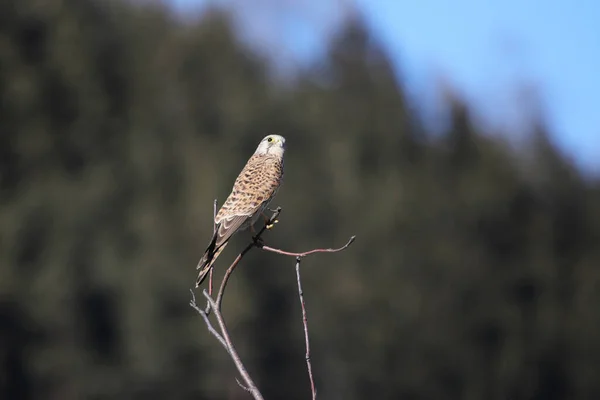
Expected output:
(271, 144)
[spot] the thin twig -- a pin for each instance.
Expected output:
(307, 253)
(240, 384)
(210, 273)
(250, 385)
(214, 216)
(210, 289)
(204, 316)
(229, 272)
(254, 243)
(313, 389)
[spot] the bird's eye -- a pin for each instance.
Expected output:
(270, 139)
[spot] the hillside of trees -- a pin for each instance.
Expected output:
(475, 273)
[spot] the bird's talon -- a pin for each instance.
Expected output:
(271, 225)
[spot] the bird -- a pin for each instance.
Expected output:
(253, 190)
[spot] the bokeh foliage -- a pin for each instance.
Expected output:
(475, 274)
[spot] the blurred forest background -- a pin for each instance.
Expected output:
(475, 274)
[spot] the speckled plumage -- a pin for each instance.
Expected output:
(252, 192)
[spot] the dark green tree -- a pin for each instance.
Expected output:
(474, 274)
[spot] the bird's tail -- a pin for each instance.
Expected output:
(208, 259)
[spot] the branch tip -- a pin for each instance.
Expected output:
(240, 384)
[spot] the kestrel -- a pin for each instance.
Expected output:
(252, 191)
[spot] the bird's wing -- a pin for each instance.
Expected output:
(254, 187)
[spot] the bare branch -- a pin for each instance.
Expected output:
(313, 389)
(306, 253)
(209, 325)
(254, 243)
(215, 304)
(214, 216)
(240, 384)
(250, 385)
(210, 273)
(210, 289)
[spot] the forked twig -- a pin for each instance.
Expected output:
(210, 275)
(204, 315)
(309, 252)
(215, 304)
(250, 385)
(225, 341)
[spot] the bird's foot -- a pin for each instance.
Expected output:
(270, 225)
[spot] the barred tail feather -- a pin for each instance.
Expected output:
(208, 253)
(207, 261)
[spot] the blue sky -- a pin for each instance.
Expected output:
(487, 48)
